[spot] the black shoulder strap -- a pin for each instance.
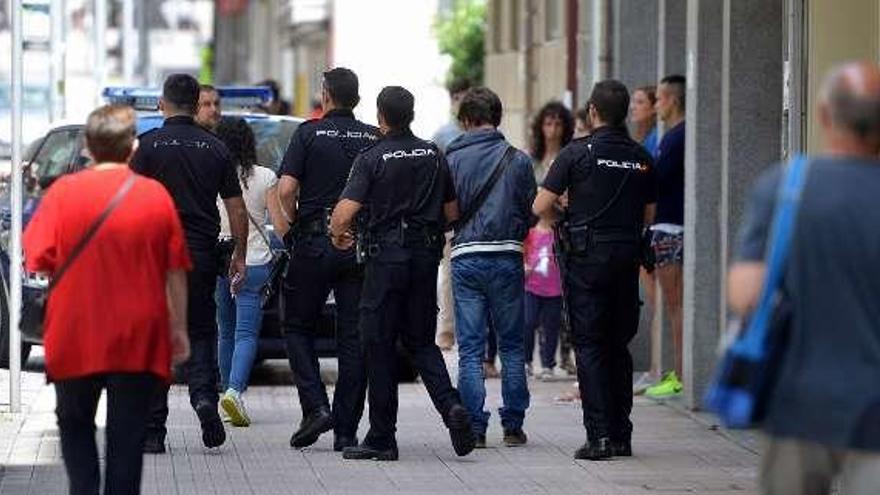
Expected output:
(93, 229)
(614, 197)
(506, 158)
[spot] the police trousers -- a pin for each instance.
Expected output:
(201, 371)
(602, 287)
(315, 269)
(400, 301)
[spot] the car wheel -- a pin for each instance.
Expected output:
(4, 336)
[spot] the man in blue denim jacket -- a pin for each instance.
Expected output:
(487, 263)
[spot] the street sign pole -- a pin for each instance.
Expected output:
(128, 41)
(56, 39)
(16, 209)
(100, 30)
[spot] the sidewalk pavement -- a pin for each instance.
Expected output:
(674, 453)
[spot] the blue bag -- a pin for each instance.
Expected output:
(745, 378)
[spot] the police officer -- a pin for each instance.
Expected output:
(195, 167)
(313, 173)
(406, 188)
(611, 193)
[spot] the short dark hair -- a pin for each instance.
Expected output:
(110, 133)
(480, 106)
(610, 98)
(273, 87)
(342, 86)
(396, 105)
(207, 87)
(678, 85)
(182, 92)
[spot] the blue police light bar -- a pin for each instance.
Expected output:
(148, 98)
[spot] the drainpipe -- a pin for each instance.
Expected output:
(571, 82)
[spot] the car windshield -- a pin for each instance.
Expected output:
(272, 135)
(272, 138)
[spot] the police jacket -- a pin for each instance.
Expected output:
(195, 167)
(609, 178)
(502, 222)
(401, 181)
(320, 155)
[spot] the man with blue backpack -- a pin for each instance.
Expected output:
(822, 410)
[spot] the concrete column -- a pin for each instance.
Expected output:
(734, 130)
(671, 37)
(635, 42)
(753, 93)
(703, 280)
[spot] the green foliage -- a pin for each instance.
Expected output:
(206, 70)
(461, 35)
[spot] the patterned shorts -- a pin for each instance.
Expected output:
(668, 248)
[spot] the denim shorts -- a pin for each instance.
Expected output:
(668, 248)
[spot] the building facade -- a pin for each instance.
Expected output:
(753, 69)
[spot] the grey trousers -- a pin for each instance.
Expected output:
(797, 467)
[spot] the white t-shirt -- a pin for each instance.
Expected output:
(254, 193)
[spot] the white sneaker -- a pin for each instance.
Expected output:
(644, 382)
(233, 405)
(546, 375)
(224, 416)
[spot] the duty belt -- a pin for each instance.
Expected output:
(580, 238)
(400, 235)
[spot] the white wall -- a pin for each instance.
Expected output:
(392, 43)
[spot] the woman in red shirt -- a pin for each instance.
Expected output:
(116, 318)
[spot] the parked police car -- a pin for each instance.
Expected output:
(61, 151)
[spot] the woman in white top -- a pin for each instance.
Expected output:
(239, 317)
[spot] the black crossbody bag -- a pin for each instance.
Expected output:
(502, 165)
(33, 310)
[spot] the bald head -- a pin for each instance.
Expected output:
(851, 101)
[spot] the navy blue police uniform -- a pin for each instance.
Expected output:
(403, 183)
(610, 180)
(320, 156)
(195, 167)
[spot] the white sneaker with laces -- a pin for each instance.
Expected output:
(232, 403)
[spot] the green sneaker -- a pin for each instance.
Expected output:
(669, 386)
(233, 405)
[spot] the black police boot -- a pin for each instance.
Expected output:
(154, 443)
(458, 420)
(595, 451)
(515, 437)
(311, 427)
(213, 433)
(340, 442)
(621, 448)
(366, 453)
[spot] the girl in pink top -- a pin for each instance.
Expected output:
(543, 296)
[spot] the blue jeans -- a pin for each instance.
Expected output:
(490, 286)
(239, 320)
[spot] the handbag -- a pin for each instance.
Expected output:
(279, 267)
(33, 308)
(749, 369)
